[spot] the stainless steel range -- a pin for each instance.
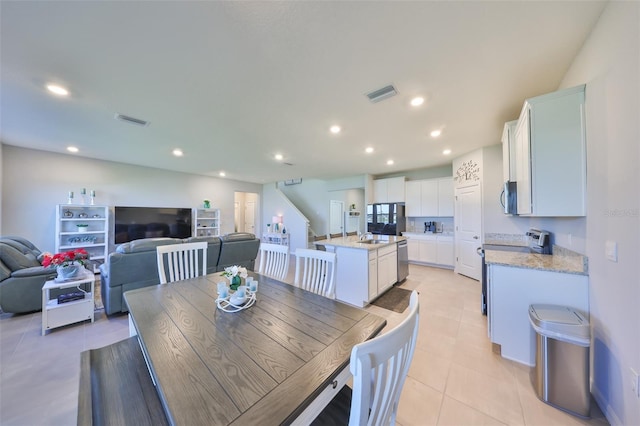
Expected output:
(538, 242)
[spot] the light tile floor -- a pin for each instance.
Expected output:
(455, 378)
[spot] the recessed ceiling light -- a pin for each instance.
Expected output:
(222, 174)
(58, 90)
(278, 157)
(369, 150)
(436, 133)
(72, 149)
(417, 101)
(389, 162)
(178, 152)
(446, 152)
(335, 129)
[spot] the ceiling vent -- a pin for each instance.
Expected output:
(382, 94)
(131, 120)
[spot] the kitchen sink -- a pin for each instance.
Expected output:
(374, 242)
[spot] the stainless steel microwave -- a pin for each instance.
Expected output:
(509, 198)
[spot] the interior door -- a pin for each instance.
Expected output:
(336, 209)
(250, 217)
(468, 229)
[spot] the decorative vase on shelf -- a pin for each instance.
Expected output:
(235, 282)
(69, 271)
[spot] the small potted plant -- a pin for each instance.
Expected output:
(82, 227)
(68, 263)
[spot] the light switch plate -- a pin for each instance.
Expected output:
(611, 251)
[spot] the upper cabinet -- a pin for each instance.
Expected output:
(429, 198)
(508, 151)
(390, 190)
(550, 155)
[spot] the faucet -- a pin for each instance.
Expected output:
(364, 236)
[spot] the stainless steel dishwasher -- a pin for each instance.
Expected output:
(403, 261)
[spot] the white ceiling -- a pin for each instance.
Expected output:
(233, 83)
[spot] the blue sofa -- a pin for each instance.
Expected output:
(134, 264)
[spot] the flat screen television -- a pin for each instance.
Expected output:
(134, 223)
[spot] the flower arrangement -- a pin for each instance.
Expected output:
(235, 274)
(66, 258)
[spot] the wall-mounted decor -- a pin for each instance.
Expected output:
(293, 181)
(468, 171)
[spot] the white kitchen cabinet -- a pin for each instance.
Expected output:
(509, 151)
(413, 198)
(551, 155)
(436, 250)
(362, 275)
(390, 190)
(445, 251)
(373, 274)
(445, 197)
(510, 292)
(83, 226)
(429, 198)
(352, 279)
(387, 267)
(429, 249)
(413, 249)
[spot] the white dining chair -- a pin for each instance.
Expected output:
(379, 367)
(181, 261)
(274, 261)
(316, 272)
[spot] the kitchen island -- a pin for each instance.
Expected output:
(365, 268)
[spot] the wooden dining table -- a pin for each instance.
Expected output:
(269, 364)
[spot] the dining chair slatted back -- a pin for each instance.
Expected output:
(379, 368)
(178, 262)
(316, 271)
(274, 261)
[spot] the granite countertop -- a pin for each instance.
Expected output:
(354, 242)
(562, 260)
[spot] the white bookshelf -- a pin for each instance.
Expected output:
(207, 223)
(93, 237)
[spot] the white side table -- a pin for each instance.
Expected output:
(56, 315)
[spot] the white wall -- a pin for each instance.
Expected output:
(275, 203)
(609, 64)
(33, 182)
(312, 197)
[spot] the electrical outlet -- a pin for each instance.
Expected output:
(635, 382)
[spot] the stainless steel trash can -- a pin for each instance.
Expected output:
(561, 374)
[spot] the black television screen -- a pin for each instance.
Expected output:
(134, 223)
